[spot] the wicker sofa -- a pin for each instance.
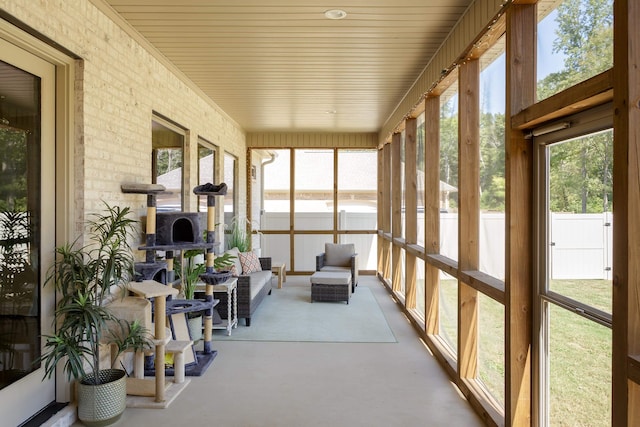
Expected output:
(252, 288)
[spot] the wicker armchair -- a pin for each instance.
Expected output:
(339, 257)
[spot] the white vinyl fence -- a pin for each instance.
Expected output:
(580, 243)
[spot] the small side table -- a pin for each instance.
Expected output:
(280, 271)
(231, 288)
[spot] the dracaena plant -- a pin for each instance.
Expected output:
(84, 276)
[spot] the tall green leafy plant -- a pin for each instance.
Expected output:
(239, 234)
(190, 271)
(84, 276)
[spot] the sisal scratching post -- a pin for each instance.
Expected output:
(210, 191)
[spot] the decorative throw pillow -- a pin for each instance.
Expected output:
(236, 269)
(250, 262)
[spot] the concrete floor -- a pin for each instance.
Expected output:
(290, 384)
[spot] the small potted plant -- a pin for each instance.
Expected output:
(84, 277)
(239, 235)
(190, 271)
(221, 272)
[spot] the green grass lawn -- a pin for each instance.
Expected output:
(580, 357)
(579, 351)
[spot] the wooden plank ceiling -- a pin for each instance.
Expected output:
(281, 65)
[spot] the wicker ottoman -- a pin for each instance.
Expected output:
(333, 286)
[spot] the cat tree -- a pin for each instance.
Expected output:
(171, 232)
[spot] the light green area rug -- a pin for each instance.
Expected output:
(289, 315)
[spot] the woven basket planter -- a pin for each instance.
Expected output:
(102, 404)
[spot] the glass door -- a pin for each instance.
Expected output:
(27, 192)
(574, 284)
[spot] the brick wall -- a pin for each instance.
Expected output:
(119, 85)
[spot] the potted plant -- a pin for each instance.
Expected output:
(239, 236)
(221, 262)
(220, 272)
(85, 276)
(190, 271)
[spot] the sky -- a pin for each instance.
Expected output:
(493, 76)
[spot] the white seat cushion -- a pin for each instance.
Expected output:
(258, 278)
(331, 278)
(335, 268)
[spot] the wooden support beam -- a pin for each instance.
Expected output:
(380, 210)
(521, 93)
(335, 195)
(432, 210)
(443, 263)
(468, 213)
(292, 207)
(248, 192)
(386, 211)
(410, 181)
(411, 208)
(633, 369)
(633, 411)
(396, 210)
(626, 202)
(588, 94)
(483, 282)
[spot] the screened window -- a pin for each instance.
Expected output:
(492, 161)
(167, 160)
(276, 193)
(357, 189)
(230, 173)
(206, 169)
(448, 306)
(449, 172)
(580, 220)
(575, 42)
(334, 194)
(403, 209)
(313, 189)
(491, 344)
(420, 179)
(575, 287)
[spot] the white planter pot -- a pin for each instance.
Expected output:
(195, 327)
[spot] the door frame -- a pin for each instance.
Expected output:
(60, 144)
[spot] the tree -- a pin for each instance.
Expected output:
(585, 37)
(580, 173)
(492, 161)
(449, 146)
(13, 170)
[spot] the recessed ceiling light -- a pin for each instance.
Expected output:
(331, 111)
(335, 14)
